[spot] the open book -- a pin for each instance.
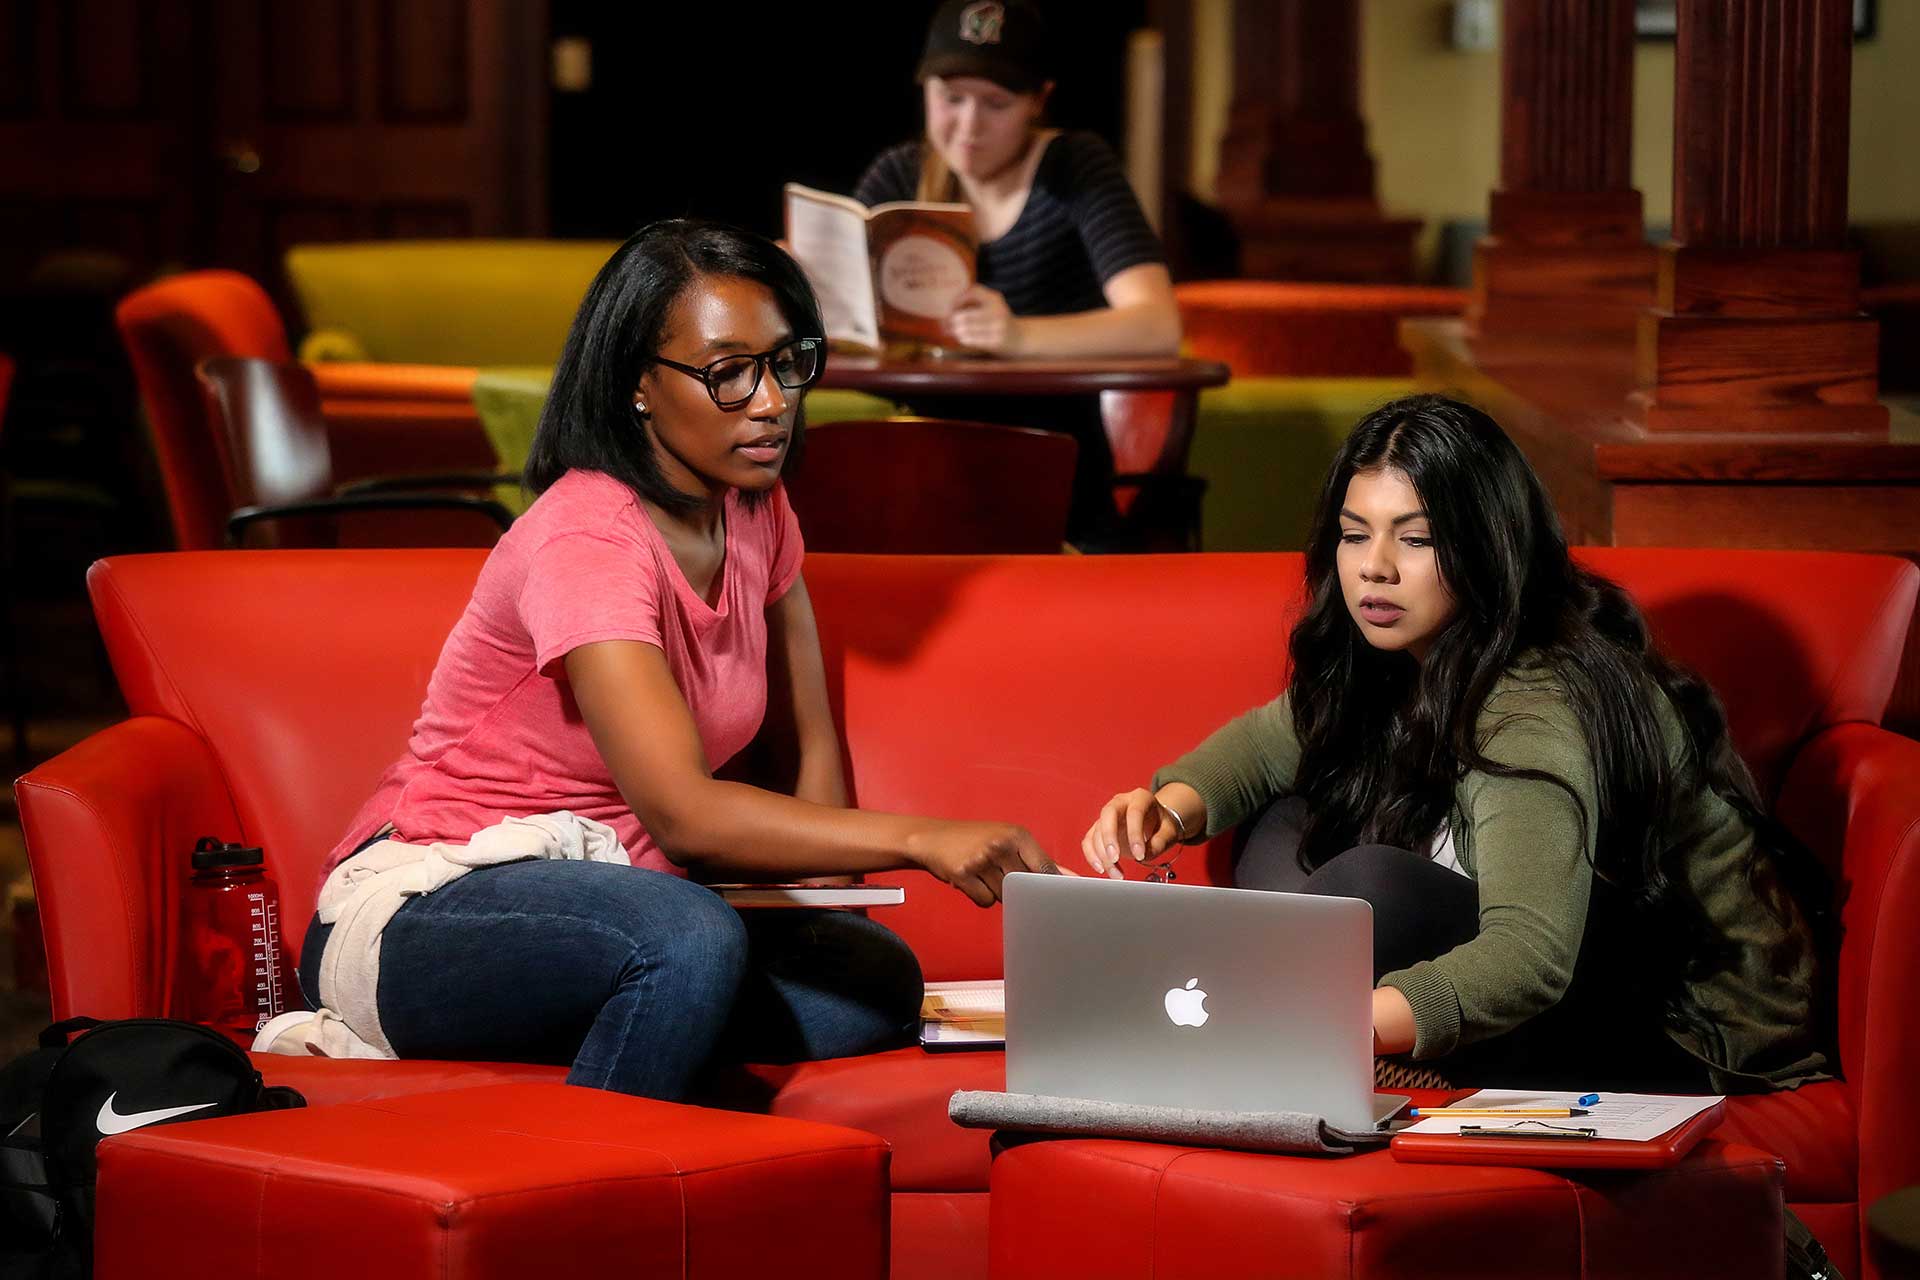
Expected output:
(889, 274)
(964, 1015)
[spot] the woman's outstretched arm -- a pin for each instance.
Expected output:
(645, 733)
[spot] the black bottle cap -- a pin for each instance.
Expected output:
(212, 855)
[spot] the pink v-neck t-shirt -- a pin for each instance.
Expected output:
(499, 734)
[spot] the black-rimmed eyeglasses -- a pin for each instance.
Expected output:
(732, 380)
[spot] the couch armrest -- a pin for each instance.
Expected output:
(1851, 794)
(109, 825)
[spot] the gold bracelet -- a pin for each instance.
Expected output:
(1179, 823)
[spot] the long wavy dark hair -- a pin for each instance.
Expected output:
(1385, 739)
(588, 421)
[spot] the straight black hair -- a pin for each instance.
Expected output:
(589, 420)
(1384, 739)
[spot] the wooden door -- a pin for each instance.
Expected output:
(97, 115)
(368, 119)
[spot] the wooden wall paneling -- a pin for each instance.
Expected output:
(307, 59)
(308, 221)
(96, 134)
(19, 73)
(523, 105)
(138, 227)
(1757, 322)
(107, 72)
(1565, 249)
(417, 119)
(423, 220)
(425, 66)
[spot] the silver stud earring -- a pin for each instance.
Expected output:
(639, 409)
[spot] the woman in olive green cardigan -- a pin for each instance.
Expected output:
(1572, 879)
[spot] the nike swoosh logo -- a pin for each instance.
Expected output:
(110, 1121)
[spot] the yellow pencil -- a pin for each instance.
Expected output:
(1425, 1113)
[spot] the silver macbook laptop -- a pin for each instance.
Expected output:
(1190, 996)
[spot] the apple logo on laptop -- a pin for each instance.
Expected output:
(1187, 1005)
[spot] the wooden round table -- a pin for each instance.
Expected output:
(962, 376)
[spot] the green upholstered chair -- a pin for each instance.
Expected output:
(1263, 446)
(442, 302)
(1309, 360)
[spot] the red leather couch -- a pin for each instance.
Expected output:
(268, 690)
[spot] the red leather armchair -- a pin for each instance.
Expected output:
(267, 691)
(381, 420)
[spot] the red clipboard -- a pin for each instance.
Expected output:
(1558, 1153)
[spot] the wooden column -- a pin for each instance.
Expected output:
(1295, 175)
(1757, 323)
(1565, 249)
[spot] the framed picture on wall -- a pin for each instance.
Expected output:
(1655, 19)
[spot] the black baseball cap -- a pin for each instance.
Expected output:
(1004, 41)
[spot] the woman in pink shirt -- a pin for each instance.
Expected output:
(641, 624)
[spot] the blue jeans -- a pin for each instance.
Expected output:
(637, 978)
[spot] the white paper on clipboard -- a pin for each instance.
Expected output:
(1625, 1117)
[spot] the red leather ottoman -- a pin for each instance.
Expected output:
(502, 1181)
(1063, 1209)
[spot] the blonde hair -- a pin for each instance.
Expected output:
(937, 181)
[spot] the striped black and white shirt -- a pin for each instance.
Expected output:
(1080, 227)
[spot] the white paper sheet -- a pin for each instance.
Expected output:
(1630, 1117)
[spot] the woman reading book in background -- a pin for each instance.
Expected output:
(626, 638)
(1068, 265)
(1572, 878)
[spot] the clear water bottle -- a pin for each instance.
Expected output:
(229, 970)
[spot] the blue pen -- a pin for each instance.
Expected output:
(1587, 1099)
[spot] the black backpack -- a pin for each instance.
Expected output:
(58, 1101)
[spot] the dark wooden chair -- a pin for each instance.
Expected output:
(929, 486)
(273, 447)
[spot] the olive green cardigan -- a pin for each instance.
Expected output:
(1524, 844)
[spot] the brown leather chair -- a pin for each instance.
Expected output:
(273, 448)
(929, 486)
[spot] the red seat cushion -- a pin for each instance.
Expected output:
(326, 1081)
(1812, 1128)
(506, 1181)
(901, 1095)
(1126, 1210)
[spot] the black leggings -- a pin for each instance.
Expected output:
(1601, 1034)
